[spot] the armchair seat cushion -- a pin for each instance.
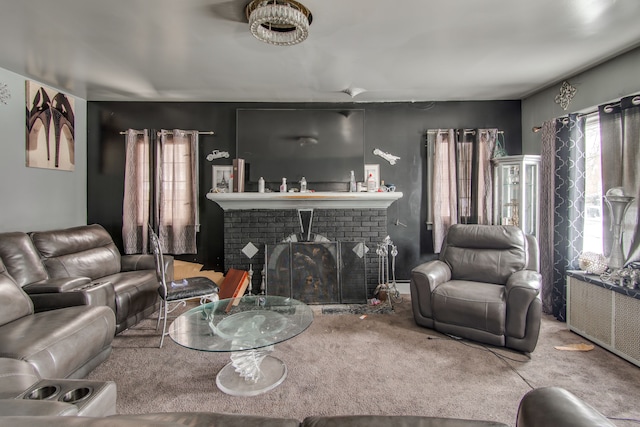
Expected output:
(471, 304)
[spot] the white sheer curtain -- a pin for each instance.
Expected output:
(620, 139)
(462, 180)
(135, 207)
(177, 191)
(445, 194)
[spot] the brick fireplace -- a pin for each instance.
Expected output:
(342, 225)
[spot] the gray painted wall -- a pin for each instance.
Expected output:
(38, 199)
(607, 82)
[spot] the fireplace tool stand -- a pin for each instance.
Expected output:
(387, 277)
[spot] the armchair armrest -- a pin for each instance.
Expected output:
(522, 288)
(424, 279)
(431, 274)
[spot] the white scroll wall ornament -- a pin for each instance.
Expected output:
(388, 157)
(5, 93)
(567, 92)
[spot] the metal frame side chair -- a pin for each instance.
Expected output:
(177, 291)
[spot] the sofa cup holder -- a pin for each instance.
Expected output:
(42, 393)
(76, 395)
(52, 392)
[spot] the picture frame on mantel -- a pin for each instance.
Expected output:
(373, 169)
(220, 179)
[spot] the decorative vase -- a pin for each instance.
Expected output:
(618, 205)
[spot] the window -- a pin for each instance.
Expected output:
(175, 182)
(464, 170)
(459, 177)
(593, 187)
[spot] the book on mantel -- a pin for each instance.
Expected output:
(233, 286)
(238, 175)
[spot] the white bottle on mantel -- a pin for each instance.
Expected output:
(261, 185)
(371, 184)
(303, 185)
(283, 186)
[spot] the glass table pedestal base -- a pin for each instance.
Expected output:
(273, 371)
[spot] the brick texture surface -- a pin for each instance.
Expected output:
(268, 227)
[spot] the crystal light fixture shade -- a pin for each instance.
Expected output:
(278, 22)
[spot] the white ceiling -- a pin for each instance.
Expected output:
(398, 50)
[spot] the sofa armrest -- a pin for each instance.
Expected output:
(93, 293)
(24, 407)
(554, 406)
(137, 262)
(522, 288)
(146, 262)
(62, 284)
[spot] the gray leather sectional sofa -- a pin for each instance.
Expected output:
(63, 343)
(82, 265)
(64, 294)
(542, 407)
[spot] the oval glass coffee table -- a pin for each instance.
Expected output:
(248, 330)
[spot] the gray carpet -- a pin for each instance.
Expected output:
(382, 364)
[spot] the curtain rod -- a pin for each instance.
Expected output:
(466, 131)
(608, 108)
(200, 132)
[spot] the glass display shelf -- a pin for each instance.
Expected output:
(516, 192)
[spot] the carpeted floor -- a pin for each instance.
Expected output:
(373, 364)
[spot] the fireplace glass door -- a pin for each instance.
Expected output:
(317, 272)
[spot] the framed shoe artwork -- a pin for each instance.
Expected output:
(50, 128)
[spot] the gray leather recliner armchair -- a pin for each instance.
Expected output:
(484, 287)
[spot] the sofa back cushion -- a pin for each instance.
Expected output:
(484, 253)
(86, 251)
(14, 302)
(21, 259)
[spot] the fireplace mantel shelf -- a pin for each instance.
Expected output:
(319, 200)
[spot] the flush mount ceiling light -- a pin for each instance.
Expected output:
(278, 22)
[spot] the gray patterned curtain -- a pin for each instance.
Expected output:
(568, 209)
(620, 140)
(547, 203)
(135, 207)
